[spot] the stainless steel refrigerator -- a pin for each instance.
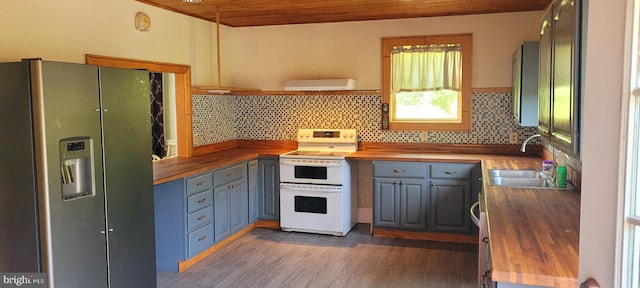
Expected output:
(76, 180)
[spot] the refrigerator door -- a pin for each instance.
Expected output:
(66, 105)
(18, 210)
(128, 177)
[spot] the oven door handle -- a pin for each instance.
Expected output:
(318, 163)
(311, 188)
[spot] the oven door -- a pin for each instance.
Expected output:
(313, 171)
(312, 208)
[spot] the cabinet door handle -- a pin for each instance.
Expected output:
(485, 239)
(231, 174)
(203, 238)
(398, 170)
(202, 217)
(232, 186)
(450, 172)
(202, 200)
(433, 184)
(200, 184)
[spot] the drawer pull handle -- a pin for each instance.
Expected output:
(203, 238)
(398, 170)
(202, 200)
(232, 186)
(231, 174)
(450, 172)
(202, 217)
(200, 184)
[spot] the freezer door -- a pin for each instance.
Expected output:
(66, 105)
(18, 223)
(128, 177)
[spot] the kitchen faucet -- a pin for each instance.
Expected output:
(524, 145)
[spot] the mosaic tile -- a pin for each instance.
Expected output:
(278, 117)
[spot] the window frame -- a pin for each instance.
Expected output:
(628, 236)
(466, 42)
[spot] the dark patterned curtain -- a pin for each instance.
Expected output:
(157, 117)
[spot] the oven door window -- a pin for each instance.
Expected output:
(310, 172)
(311, 204)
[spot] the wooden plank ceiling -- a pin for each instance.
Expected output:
(243, 13)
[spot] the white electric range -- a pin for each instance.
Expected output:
(317, 193)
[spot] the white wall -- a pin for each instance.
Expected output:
(265, 57)
(66, 30)
(601, 138)
(254, 57)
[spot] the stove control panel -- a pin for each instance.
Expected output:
(327, 135)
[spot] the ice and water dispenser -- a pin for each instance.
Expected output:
(76, 168)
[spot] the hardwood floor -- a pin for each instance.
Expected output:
(271, 258)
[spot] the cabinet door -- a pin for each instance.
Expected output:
(450, 201)
(252, 186)
(238, 205)
(544, 79)
(269, 185)
(222, 223)
(564, 74)
(413, 204)
(386, 201)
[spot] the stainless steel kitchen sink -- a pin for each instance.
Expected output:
(521, 182)
(521, 179)
(517, 173)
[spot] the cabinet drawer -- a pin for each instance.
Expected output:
(451, 171)
(199, 183)
(399, 169)
(200, 240)
(199, 201)
(199, 218)
(227, 175)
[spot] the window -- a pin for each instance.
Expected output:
(427, 82)
(629, 252)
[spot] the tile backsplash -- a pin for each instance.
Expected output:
(277, 117)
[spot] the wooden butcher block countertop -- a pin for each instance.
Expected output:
(175, 168)
(533, 233)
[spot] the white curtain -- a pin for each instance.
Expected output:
(426, 67)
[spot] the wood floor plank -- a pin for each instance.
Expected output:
(271, 258)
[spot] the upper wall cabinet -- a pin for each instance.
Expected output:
(559, 78)
(525, 84)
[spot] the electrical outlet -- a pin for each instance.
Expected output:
(513, 137)
(424, 136)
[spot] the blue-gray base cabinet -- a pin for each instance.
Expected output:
(269, 188)
(231, 200)
(400, 195)
(195, 212)
(451, 196)
(184, 219)
(170, 225)
(433, 197)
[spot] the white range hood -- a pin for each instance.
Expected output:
(320, 85)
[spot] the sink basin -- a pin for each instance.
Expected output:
(521, 179)
(521, 182)
(517, 174)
